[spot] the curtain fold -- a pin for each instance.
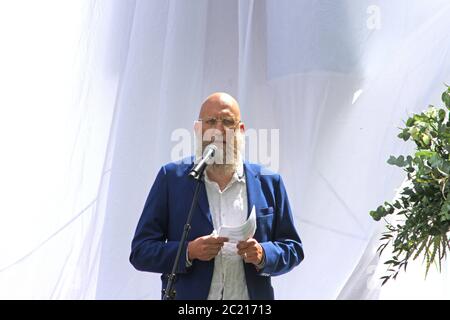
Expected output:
(61, 73)
(98, 91)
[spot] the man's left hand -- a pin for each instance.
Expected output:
(251, 251)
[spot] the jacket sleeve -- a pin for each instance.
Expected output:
(286, 251)
(150, 250)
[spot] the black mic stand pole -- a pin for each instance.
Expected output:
(169, 293)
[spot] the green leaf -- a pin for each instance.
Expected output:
(379, 213)
(408, 192)
(425, 153)
(426, 139)
(446, 98)
(410, 122)
(436, 161)
(392, 160)
(418, 252)
(375, 216)
(405, 135)
(435, 244)
(399, 162)
(441, 115)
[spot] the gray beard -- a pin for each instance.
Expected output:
(222, 165)
(222, 169)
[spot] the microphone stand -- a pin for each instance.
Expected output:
(169, 293)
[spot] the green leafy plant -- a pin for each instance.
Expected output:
(424, 204)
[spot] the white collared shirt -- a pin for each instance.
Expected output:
(228, 207)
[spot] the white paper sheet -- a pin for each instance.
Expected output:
(240, 233)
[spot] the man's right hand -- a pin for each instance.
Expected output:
(205, 248)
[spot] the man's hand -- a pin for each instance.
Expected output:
(205, 248)
(251, 251)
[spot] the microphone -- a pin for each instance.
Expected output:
(197, 171)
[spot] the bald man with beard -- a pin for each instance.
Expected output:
(211, 267)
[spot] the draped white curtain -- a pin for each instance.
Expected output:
(92, 90)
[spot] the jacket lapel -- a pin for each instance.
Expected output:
(202, 200)
(254, 191)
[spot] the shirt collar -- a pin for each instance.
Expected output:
(238, 175)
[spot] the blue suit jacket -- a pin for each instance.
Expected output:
(161, 225)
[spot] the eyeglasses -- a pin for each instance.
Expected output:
(228, 123)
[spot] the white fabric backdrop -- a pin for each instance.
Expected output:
(92, 91)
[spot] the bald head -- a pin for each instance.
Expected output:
(220, 105)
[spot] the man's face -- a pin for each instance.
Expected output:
(220, 125)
